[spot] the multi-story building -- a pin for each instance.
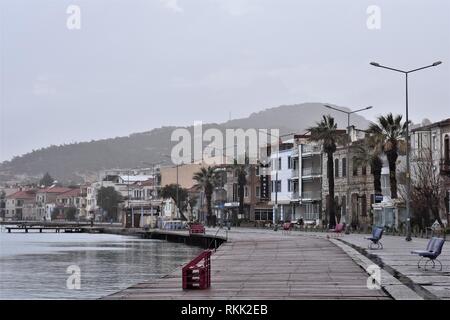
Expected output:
(226, 197)
(308, 181)
(284, 182)
(350, 180)
(21, 205)
(431, 143)
(4, 192)
(46, 198)
(75, 198)
(296, 180)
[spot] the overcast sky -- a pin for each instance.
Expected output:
(139, 64)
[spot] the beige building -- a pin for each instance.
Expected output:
(185, 174)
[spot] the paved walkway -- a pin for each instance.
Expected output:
(264, 264)
(397, 257)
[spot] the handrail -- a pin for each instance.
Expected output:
(215, 241)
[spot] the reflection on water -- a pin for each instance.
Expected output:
(33, 265)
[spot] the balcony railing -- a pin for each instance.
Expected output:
(310, 149)
(311, 172)
(313, 195)
(312, 215)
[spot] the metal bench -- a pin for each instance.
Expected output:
(287, 227)
(433, 250)
(338, 229)
(197, 273)
(375, 238)
(196, 228)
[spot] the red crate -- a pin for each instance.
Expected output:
(196, 228)
(197, 273)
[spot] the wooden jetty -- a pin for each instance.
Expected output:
(268, 265)
(42, 226)
(43, 229)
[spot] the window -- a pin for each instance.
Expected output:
(257, 171)
(355, 167)
(289, 185)
(279, 163)
(344, 167)
(278, 184)
(263, 214)
(336, 168)
(434, 142)
(235, 192)
(258, 192)
(289, 162)
(344, 205)
(246, 191)
(364, 170)
(363, 206)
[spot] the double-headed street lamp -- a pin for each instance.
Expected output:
(348, 149)
(408, 169)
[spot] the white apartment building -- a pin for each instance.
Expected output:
(296, 180)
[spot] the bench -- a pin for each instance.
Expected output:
(433, 250)
(339, 228)
(375, 238)
(287, 227)
(197, 273)
(196, 228)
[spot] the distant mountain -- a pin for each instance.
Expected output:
(77, 162)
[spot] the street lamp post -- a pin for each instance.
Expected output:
(408, 167)
(348, 150)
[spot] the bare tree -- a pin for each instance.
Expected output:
(428, 190)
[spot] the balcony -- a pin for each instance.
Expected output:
(310, 172)
(311, 216)
(309, 150)
(311, 195)
(444, 167)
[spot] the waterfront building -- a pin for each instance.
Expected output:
(46, 196)
(296, 180)
(20, 205)
(76, 199)
(351, 180)
(307, 178)
(430, 142)
(283, 186)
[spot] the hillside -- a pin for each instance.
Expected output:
(74, 163)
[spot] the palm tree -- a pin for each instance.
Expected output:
(206, 179)
(389, 133)
(240, 170)
(369, 154)
(326, 132)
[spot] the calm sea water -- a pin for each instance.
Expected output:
(34, 265)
